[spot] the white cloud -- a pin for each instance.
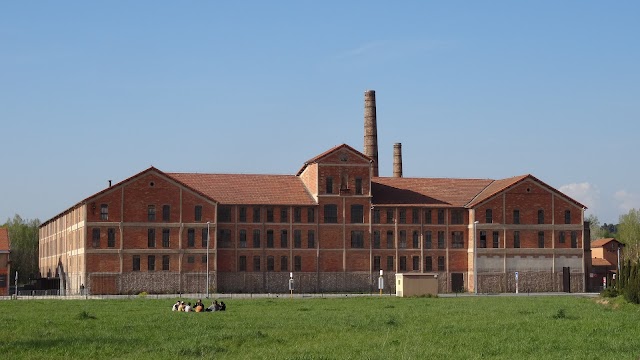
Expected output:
(584, 193)
(626, 201)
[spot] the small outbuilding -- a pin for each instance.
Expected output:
(416, 284)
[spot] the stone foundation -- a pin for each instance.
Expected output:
(527, 282)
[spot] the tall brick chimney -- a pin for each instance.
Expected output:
(371, 129)
(397, 160)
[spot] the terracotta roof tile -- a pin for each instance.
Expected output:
(602, 242)
(426, 191)
(4, 239)
(600, 262)
(248, 189)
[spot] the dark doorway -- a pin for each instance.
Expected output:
(457, 282)
(566, 279)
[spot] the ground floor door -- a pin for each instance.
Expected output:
(566, 279)
(457, 282)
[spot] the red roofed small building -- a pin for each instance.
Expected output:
(605, 254)
(334, 224)
(5, 264)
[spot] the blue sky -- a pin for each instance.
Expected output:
(97, 91)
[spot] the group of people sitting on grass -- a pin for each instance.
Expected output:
(199, 306)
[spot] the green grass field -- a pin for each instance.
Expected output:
(553, 327)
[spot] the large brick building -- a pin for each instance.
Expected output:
(334, 225)
(5, 264)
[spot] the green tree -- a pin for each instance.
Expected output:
(629, 234)
(597, 232)
(23, 235)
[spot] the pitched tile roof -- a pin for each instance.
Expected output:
(426, 191)
(602, 242)
(4, 239)
(248, 189)
(328, 152)
(600, 262)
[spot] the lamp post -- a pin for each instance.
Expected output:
(208, 240)
(475, 259)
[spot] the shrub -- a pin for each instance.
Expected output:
(143, 294)
(610, 292)
(560, 314)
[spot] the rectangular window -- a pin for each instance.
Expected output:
(151, 238)
(166, 213)
(358, 186)
(376, 239)
(456, 240)
(402, 214)
(270, 239)
(540, 216)
(311, 215)
(567, 216)
(111, 237)
(203, 259)
(165, 262)
(297, 263)
(256, 238)
(242, 238)
(357, 214)
(390, 263)
(104, 212)
(297, 239)
(165, 237)
(416, 263)
(416, 239)
(224, 213)
(516, 216)
(3, 281)
(516, 239)
(488, 216)
(427, 216)
(297, 214)
(329, 185)
(562, 238)
(284, 239)
(541, 239)
(457, 217)
(242, 263)
(496, 239)
(376, 263)
(284, 263)
(441, 240)
(151, 213)
(270, 263)
(428, 264)
(390, 240)
(242, 214)
(403, 263)
(224, 238)
(390, 216)
(415, 216)
(256, 263)
(204, 236)
(270, 214)
(191, 238)
(441, 216)
(151, 263)
(357, 239)
(284, 215)
(331, 213)
(574, 239)
(403, 239)
(191, 259)
(483, 239)
(198, 213)
(136, 263)
(376, 216)
(256, 214)
(96, 237)
(311, 239)
(441, 263)
(428, 239)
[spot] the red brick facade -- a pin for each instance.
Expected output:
(5, 264)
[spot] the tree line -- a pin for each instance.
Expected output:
(627, 231)
(23, 235)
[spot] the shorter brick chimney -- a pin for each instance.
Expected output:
(397, 160)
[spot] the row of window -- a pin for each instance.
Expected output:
(151, 237)
(271, 263)
(270, 240)
(516, 216)
(344, 185)
(151, 212)
(151, 262)
(428, 263)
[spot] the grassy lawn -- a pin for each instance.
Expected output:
(554, 327)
